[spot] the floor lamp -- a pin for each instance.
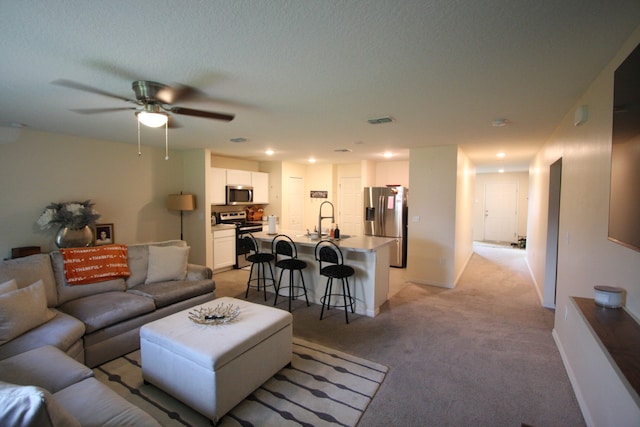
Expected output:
(181, 202)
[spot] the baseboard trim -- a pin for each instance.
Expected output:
(574, 383)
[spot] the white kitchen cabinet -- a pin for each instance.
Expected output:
(260, 183)
(238, 177)
(224, 248)
(218, 183)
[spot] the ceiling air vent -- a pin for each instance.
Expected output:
(342, 150)
(237, 140)
(380, 120)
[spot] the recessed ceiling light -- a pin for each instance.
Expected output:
(312, 160)
(500, 154)
(388, 154)
(238, 139)
(380, 120)
(500, 170)
(269, 152)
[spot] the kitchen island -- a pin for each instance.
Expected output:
(368, 255)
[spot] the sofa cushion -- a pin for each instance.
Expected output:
(47, 367)
(95, 264)
(22, 310)
(31, 406)
(167, 263)
(167, 293)
(67, 292)
(105, 309)
(138, 258)
(106, 407)
(8, 286)
(27, 270)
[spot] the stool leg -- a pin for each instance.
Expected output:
(246, 295)
(351, 303)
(324, 300)
(264, 280)
(344, 297)
(304, 287)
(278, 287)
(290, 288)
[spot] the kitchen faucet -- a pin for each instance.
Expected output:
(320, 218)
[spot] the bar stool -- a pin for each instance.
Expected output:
(328, 252)
(283, 246)
(257, 259)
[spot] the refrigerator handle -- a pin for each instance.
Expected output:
(381, 217)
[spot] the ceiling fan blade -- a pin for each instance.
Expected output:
(201, 113)
(172, 94)
(173, 123)
(100, 110)
(83, 87)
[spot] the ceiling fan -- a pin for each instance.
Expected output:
(154, 101)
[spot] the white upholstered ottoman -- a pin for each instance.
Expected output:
(212, 368)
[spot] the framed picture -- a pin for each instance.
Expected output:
(103, 235)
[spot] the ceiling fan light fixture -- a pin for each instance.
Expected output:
(152, 120)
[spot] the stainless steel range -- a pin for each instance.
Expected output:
(243, 227)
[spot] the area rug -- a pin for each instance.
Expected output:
(321, 387)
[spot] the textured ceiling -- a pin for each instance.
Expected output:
(303, 77)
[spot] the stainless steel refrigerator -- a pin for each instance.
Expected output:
(385, 214)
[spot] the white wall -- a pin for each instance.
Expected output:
(585, 257)
(392, 173)
(129, 191)
(482, 179)
(465, 184)
(432, 257)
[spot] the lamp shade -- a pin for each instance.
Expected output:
(181, 202)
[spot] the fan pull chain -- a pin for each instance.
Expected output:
(166, 140)
(139, 152)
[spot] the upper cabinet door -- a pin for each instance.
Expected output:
(238, 177)
(219, 181)
(260, 183)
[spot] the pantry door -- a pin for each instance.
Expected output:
(351, 206)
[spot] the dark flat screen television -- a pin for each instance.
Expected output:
(624, 203)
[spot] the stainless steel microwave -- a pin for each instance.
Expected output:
(239, 195)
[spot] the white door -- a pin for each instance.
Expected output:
(500, 211)
(350, 215)
(296, 203)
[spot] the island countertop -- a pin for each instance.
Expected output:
(351, 243)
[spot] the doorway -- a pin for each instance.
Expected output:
(350, 206)
(553, 233)
(500, 211)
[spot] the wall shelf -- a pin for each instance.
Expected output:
(619, 335)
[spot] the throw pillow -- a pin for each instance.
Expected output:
(167, 263)
(26, 406)
(9, 286)
(22, 310)
(83, 266)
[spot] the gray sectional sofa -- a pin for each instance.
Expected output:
(44, 387)
(44, 318)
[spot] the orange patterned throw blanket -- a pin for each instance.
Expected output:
(95, 264)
